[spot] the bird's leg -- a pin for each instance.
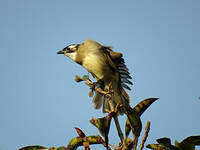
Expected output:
(94, 85)
(98, 84)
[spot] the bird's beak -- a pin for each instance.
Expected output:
(60, 52)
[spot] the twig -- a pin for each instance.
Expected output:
(113, 146)
(147, 128)
(135, 142)
(118, 128)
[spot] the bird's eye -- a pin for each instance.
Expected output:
(69, 50)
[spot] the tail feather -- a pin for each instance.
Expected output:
(117, 98)
(106, 106)
(98, 100)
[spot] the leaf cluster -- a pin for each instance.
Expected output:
(133, 125)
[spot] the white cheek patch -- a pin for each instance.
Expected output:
(72, 55)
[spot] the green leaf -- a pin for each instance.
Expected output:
(74, 143)
(85, 77)
(143, 105)
(157, 147)
(127, 128)
(103, 125)
(165, 141)
(139, 108)
(34, 147)
(62, 148)
(78, 141)
(163, 144)
(52, 148)
(192, 140)
(188, 143)
(133, 121)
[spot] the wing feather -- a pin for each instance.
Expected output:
(121, 67)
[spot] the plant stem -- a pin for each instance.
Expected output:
(121, 136)
(135, 142)
(145, 135)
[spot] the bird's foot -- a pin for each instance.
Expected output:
(99, 87)
(98, 84)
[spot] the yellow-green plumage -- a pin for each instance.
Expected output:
(105, 65)
(96, 61)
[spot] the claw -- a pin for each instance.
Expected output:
(94, 84)
(98, 84)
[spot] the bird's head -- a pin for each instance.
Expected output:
(70, 51)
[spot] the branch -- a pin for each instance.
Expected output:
(147, 128)
(121, 136)
(135, 142)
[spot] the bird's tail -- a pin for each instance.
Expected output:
(110, 103)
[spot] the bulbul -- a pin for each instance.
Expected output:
(106, 66)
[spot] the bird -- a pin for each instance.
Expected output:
(106, 66)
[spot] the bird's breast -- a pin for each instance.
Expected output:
(96, 64)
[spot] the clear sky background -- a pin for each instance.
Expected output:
(40, 103)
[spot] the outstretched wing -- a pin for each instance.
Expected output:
(121, 67)
(124, 73)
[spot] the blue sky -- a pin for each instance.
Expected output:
(41, 104)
